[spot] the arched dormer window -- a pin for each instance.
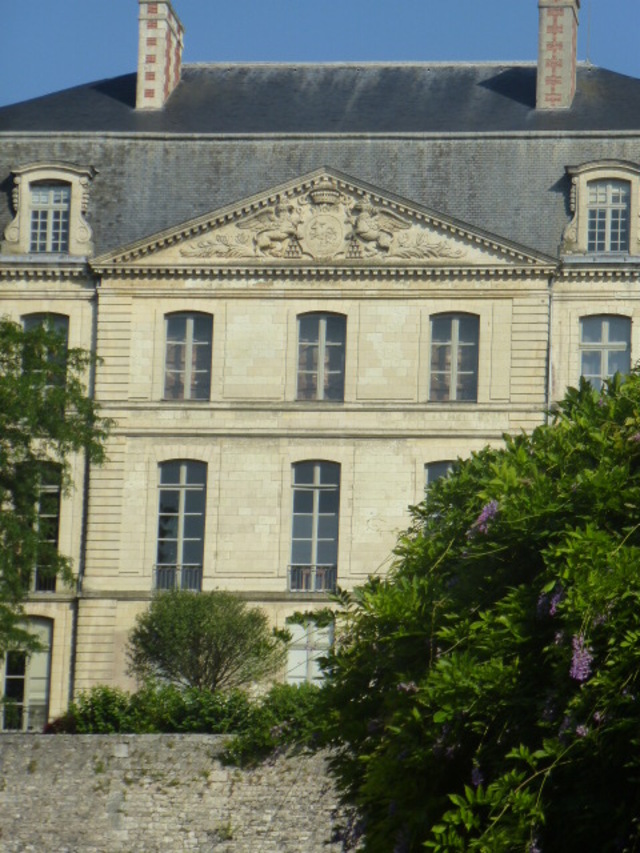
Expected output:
(50, 200)
(604, 203)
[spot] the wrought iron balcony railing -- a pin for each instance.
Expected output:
(178, 577)
(312, 578)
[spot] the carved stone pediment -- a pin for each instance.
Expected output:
(322, 220)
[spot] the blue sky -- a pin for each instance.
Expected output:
(50, 45)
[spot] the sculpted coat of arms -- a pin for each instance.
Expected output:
(323, 224)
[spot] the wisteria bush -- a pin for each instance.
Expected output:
(485, 696)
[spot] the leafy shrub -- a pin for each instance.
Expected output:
(486, 695)
(285, 715)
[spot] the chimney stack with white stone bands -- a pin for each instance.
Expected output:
(159, 54)
(557, 54)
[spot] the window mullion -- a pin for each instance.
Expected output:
(455, 355)
(322, 354)
(188, 357)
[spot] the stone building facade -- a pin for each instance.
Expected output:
(310, 289)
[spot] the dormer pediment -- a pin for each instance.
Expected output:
(323, 220)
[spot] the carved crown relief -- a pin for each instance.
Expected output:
(324, 224)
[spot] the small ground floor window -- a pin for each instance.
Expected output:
(25, 681)
(308, 644)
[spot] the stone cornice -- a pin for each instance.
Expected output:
(52, 267)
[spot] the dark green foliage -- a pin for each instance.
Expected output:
(485, 696)
(286, 715)
(208, 640)
(45, 416)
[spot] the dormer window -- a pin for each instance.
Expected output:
(50, 201)
(50, 206)
(605, 198)
(608, 223)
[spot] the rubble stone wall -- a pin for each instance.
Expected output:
(157, 793)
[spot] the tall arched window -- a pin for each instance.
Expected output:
(314, 538)
(25, 683)
(187, 373)
(453, 370)
(321, 356)
(182, 491)
(605, 347)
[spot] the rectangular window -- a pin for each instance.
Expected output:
(188, 356)
(55, 357)
(454, 358)
(181, 513)
(608, 216)
(314, 539)
(321, 357)
(50, 206)
(308, 644)
(605, 348)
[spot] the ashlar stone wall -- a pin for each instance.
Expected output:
(158, 793)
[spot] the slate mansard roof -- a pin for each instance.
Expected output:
(464, 139)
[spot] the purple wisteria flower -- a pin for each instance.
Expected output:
(581, 659)
(476, 776)
(481, 524)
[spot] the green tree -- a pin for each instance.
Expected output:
(209, 640)
(46, 416)
(486, 695)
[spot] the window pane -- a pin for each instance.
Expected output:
(196, 473)
(194, 501)
(329, 501)
(592, 363)
(301, 552)
(619, 362)
(192, 552)
(170, 472)
(16, 663)
(169, 501)
(303, 472)
(441, 329)
(329, 473)
(435, 470)
(193, 526)
(168, 527)
(591, 329)
(167, 552)
(302, 526)
(468, 329)
(302, 501)
(327, 553)
(308, 327)
(619, 329)
(177, 328)
(327, 526)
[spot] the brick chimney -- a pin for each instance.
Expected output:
(159, 54)
(557, 54)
